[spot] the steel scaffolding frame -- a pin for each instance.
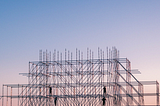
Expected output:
(106, 81)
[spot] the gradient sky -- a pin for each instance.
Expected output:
(133, 26)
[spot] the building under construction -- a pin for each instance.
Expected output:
(71, 80)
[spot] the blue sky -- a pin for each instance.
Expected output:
(27, 26)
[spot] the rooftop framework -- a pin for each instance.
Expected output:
(106, 80)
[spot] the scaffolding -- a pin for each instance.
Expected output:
(63, 81)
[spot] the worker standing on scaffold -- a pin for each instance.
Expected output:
(55, 101)
(104, 94)
(50, 91)
(104, 101)
(104, 91)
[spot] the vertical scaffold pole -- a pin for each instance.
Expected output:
(2, 94)
(157, 92)
(11, 97)
(22, 96)
(18, 94)
(46, 72)
(76, 78)
(139, 95)
(7, 95)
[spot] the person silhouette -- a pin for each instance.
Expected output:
(104, 100)
(104, 90)
(50, 90)
(55, 101)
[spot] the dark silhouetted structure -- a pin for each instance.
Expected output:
(72, 80)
